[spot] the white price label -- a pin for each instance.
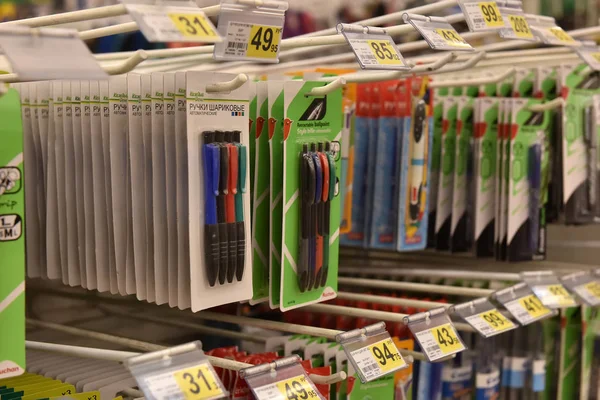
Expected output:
(378, 54)
(440, 341)
(527, 309)
(378, 359)
(173, 24)
(490, 323)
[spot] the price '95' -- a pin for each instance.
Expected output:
(385, 52)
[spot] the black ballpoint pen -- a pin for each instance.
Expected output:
(239, 205)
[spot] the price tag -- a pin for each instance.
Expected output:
(520, 26)
(554, 296)
(438, 33)
(591, 55)
(440, 341)
(452, 38)
(161, 23)
(374, 49)
(490, 323)
(561, 35)
(482, 15)
(527, 309)
(590, 292)
(295, 388)
(198, 383)
(378, 359)
(245, 40)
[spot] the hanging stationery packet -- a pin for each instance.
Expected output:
(443, 216)
(357, 234)
(414, 175)
(526, 224)
(253, 113)
(217, 133)
(276, 138)
(138, 189)
(524, 82)
(457, 380)
(372, 157)
(485, 158)
(183, 234)
(261, 201)
(504, 193)
(590, 317)
(437, 103)
(310, 242)
(461, 227)
(580, 138)
(12, 239)
(385, 204)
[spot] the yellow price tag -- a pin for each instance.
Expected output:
(491, 14)
(198, 382)
(385, 52)
(297, 387)
(593, 287)
(447, 338)
(387, 355)
(596, 57)
(451, 37)
(561, 35)
(263, 41)
(560, 293)
(496, 320)
(520, 26)
(533, 306)
(193, 25)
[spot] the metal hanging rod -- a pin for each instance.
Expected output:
(415, 287)
(137, 344)
(393, 301)
(402, 271)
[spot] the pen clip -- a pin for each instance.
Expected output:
(233, 168)
(214, 156)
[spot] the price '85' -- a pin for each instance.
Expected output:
(264, 41)
(194, 25)
(297, 388)
(491, 14)
(384, 52)
(197, 382)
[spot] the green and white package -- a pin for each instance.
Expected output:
(443, 216)
(261, 202)
(486, 139)
(12, 238)
(275, 129)
(310, 122)
(436, 158)
(461, 232)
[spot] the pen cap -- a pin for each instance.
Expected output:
(209, 137)
(236, 136)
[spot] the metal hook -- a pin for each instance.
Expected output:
(325, 90)
(228, 86)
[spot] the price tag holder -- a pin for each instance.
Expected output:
(585, 285)
(178, 373)
(548, 288)
(283, 379)
(590, 53)
(438, 33)
(250, 32)
(516, 24)
(172, 21)
(482, 315)
(436, 334)
(546, 30)
(372, 352)
(373, 47)
(48, 53)
(523, 304)
(482, 15)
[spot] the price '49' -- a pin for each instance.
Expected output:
(264, 41)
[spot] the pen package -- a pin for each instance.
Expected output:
(527, 185)
(385, 205)
(485, 154)
(275, 126)
(356, 237)
(311, 161)
(414, 177)
(502, 195)
(443, 215)
(461, 227)
(579, 147)
(12, 234)
(219, 203)
(261, 202)
(437, 99)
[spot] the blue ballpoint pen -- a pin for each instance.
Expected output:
(211, 190)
